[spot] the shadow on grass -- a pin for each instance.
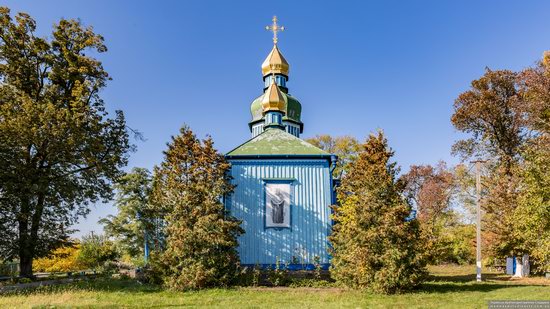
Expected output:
(467, 283)
(449, 287)
(467, 278)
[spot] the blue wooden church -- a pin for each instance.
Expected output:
(284, 185)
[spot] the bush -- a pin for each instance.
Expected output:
(95, 251)
(62, 259)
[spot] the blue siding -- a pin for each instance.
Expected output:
(310, 200)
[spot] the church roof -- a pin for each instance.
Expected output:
(275, 63)
(293, 109)
(273, 99)
(276, 142)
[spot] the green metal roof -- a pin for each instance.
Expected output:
(275, 141)
(293, 108)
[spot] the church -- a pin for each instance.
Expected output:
(283, 184)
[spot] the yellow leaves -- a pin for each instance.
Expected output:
(63, 259)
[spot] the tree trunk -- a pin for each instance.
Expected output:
(25, 266)
(26, 251)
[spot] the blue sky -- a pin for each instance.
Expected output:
(356, 66)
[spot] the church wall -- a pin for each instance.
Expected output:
(309, 222)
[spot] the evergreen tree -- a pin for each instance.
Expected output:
(201, 237)
(135, 216)
(374, 245)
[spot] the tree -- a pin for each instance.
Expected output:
(201, 237)
(374, 245)
(431, 190)
(345, 147)
(535, 84)
(531, 222)
(135, 215)
(95, 251)
(492, 111)
(532, 216)
(59, 150)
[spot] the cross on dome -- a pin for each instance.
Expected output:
(274, 28)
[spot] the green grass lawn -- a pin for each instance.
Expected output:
(448, 287)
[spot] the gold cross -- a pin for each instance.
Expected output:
(274, 28)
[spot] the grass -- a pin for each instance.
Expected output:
(448, 287)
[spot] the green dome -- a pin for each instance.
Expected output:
(293, 110)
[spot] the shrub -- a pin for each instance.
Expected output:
(95, 251)
(62, 259)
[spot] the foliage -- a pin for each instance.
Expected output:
(374, 246)
(135, 215)
(201, 238)
(96, 251)
(345, 147)
(278, 274)
(492, 111)
(63, 259)
(465, 183)
(532, 216)
(59, 150)
(508, 116)
(430, 190)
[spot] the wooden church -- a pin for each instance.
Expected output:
(284, 185)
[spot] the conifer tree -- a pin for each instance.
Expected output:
(375, 246)
(201, 237)
(135, 223)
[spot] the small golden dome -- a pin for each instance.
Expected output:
(273, 99)
(275, 63)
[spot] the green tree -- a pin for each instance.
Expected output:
(135, 215)
(59, 150)
(95, 251)
(345, 147)
(532, 216)
(201, 237)
(374, 245)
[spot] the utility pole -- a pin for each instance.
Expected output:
(478, 219)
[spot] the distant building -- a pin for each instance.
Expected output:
(284, 185)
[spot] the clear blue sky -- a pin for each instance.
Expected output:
(355, 65)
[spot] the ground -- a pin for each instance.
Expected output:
(448, 287)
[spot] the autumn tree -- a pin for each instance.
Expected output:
(59, 150)
(201, 237)
(345, 147)
(492, 112)
(374, 244)
(136, 217)
(532, 216)
(431, 190)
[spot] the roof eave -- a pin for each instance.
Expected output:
(279, 156)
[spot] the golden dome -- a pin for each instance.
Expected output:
(275, 63)
(273, 99)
